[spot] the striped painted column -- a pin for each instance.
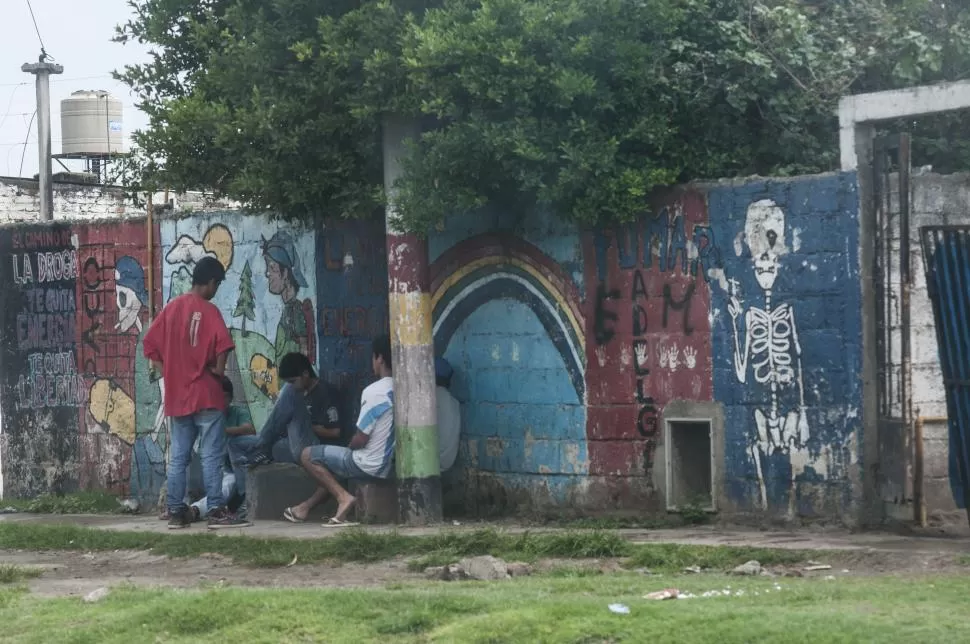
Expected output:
(409, 305)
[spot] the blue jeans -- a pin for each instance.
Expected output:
(339, 461)
(210, 427)
(284, 435)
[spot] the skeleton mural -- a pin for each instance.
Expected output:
(770, 345)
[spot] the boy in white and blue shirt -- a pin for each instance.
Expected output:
(371, 450)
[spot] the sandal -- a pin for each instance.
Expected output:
(334, 522)
(290, 516)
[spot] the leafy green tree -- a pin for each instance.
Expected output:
(246, 304)
(583, 107)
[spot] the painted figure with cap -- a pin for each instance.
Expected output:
(284, 276)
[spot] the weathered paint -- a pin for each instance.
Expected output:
(415, 407)
(643, 323)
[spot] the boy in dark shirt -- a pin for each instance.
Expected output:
(306, 414)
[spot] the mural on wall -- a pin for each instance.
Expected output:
(510, 321)
(786, 317)
(268, 298)
(770, 342)
(649, 322)
(125, 441)
(41, 384)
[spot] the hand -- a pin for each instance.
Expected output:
(690, 357)
(674, 358)
(664, 356)
(640, 350)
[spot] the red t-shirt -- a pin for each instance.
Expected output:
(186, 338)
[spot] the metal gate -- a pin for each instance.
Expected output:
(946, 255)
(899, 484)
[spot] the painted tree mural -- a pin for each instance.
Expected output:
(246, 304)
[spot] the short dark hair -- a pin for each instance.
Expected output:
(382, 349)
(294, 365)
(227, 386)
(206, 270)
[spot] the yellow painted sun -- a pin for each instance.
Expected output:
(218, 241)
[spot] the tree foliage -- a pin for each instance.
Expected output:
(580, 106)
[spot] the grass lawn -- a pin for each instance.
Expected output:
(361, 545)
(538, 609)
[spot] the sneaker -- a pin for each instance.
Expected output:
(179, 520)
(222, 518)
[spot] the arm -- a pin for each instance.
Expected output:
(326, 432)
(246, 429)
(219, 368)
(152, 342)
(359, 441)
(740, 355)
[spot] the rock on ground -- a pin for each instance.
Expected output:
(749, 568)
(485, 568)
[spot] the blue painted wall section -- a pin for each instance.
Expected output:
(507, 300)
(351, 272)
(786, 334)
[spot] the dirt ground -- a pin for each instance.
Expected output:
(77, 573)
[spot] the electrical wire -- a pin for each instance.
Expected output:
(9, 105)
(24, 153)
(43, 50)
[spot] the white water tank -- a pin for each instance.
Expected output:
(91, 124)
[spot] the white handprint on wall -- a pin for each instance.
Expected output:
(640, 352)
(690, 357)
(663, 355)
(673, 359)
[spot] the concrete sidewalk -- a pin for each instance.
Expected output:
(698, 535)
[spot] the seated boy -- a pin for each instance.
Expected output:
(306, 413)
(449, 416)
(371, 450)
(238, 422)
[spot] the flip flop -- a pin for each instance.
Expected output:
(334, 522)
(291, 517)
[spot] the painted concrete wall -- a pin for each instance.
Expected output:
(80, 410)
(570, 345)
(734, 302)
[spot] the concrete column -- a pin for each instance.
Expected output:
(409, 304)
(43, 70)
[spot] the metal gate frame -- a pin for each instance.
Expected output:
(893, 153)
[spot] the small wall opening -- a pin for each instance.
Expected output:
(690, 469)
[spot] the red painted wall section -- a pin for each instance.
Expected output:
(648, 330)
(109, 323)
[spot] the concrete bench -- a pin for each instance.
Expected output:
(270, 489)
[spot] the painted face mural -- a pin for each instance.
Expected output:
(284, 277)
(764, 232)
(130, 293)
(770, 346)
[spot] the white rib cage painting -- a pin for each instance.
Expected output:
(770, 344)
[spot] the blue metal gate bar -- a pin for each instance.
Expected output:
(946, 258)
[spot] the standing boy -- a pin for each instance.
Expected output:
(190, 340)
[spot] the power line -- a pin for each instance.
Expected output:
(12, 95)
(24, 153)
(43, 50)
(62, 80)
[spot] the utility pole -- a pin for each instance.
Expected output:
(43, 70)
(412, 348)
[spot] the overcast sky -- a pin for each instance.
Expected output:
(78, 35)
